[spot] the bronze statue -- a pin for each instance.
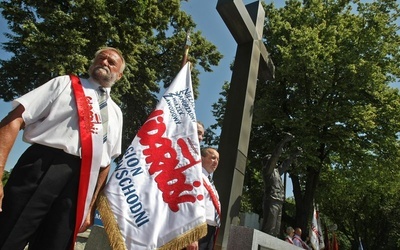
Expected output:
(274, 192)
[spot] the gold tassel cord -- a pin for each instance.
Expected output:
(117, 242)
(184, 240)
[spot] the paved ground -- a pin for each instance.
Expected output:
(81, 240)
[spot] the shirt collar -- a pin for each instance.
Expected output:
(96, 86)
(206, 173)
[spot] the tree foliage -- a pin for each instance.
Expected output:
(335, 61)
(362, 198)
(50, 38)
(6, 175)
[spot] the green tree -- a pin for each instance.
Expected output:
(335, 61)
(50, 38)
(6, 175)
(370, 211)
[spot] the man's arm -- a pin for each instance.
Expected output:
(101, 182)
(284, 167)
(9, 128)
(272, 161)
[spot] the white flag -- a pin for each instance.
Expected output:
(155, 192)
(316, 236)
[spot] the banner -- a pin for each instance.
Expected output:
(155, 192)
(316, 236)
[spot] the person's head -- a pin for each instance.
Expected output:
(290, 231)
(209, 159)
(200, 130)
(298, 231)
(107, 66)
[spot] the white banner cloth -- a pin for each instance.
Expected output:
(155, 191)
(316, 236)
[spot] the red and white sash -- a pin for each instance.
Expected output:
(214, 198)
(91, 138)
(215, 202)
(289, 239)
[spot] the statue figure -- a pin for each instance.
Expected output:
(274, 192)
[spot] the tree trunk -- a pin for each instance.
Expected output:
(304, 200)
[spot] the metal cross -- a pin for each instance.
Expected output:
(252, 63)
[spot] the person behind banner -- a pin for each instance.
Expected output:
(200, 136)
(200, 131)
(297, 241)
(210, 160)
(289, 235)
(40, 203)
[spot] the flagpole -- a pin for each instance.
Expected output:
(186, 49)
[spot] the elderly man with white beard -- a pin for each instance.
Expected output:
(75, 129)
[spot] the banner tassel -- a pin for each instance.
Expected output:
(185, 239)
(117, 242)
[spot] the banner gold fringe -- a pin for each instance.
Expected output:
(184, 240)
(117, 240)
(110, 224)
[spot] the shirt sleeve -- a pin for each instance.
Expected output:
(37, 103)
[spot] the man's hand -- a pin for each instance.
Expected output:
(88, 222)
(101, 181)
(193, 246)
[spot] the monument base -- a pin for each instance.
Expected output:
(244, 238)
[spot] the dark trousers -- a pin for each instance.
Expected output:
(207, 242)
(39, 204)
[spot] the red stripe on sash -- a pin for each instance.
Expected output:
(213, 197)
(85, 127)
(216, 205)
